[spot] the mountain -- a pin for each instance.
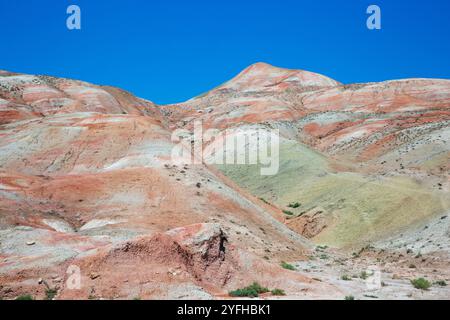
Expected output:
(87, 180)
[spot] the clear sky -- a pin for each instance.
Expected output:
(171, 50)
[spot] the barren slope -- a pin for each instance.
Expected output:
(86, 179)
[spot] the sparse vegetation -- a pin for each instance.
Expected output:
(349, 298)
(294, 205)
(287, 212)
(50, 293)
(252, 291)
(441, 283)
(287, 266)
(25, 297)
(346, 278)
(421, 283)
(278, 292)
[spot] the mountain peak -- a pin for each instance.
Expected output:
(262, 76)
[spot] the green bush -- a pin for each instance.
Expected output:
(25, 297)
(252, 291)
(294, 205)
(364, 275)
(287, 266)
(287, 212)
(441, 283)
(278, 292)
(421, 283)
(349, 298)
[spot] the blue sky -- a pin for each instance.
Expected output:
(171, 50)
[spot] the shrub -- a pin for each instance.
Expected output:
(441, 283)
(294, 205)
(288, 266)
(252, 291)
(25, 297)
(50, 293)
(346, 278)
(278, 292)
(421, 283)
(287, 212)
(349, 298)
(260, 289)
(364, 275)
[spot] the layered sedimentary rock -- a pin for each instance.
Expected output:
(87, 180)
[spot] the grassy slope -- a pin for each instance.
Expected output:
(358, 208)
